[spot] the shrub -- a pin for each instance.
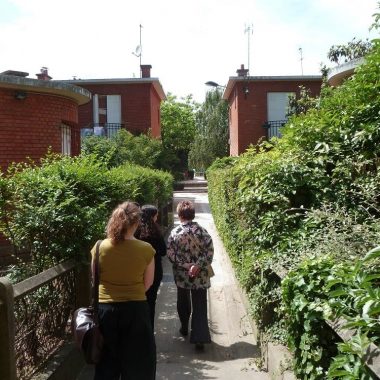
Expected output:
(306, 207)
(57, 210)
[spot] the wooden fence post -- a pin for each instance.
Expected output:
(7, 331)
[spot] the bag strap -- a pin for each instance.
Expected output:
(95, 279)
(194, 239)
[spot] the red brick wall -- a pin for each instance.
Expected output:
(155, 114)
(29, 127)
(139, 105)
(248, 117)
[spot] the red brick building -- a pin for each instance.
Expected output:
(37, 115)
(130, 103)
(258, 105)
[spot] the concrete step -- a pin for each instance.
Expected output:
(191, 184)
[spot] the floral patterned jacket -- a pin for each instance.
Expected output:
(190, 243)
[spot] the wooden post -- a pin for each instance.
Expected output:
(7, 331)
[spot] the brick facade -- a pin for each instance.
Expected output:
(31, 126)
(140, 105)
(247, 98)
(33, 115)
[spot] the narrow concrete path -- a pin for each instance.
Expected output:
(233, 350)
(232, 353)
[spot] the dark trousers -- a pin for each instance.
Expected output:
(129, 351)
(151, 297)
(194, 303)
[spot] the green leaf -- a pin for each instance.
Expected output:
(372, 254)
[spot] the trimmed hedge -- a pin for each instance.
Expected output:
(58, 209)
(307, 205)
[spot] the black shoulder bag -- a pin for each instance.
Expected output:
(85, 322)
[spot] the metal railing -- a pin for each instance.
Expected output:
(101, 129)
(273, 128)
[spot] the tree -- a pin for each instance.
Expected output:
(124, 147)
(211, 139)
(352, 50)
(178, 130)
(301, 104)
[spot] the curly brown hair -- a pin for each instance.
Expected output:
(186, 210)
(123, 217)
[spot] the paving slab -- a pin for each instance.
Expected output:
(234, 350)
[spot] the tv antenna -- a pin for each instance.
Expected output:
(138, 50)
(301, 59)
(249, 30)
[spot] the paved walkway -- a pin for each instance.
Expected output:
(232, 353)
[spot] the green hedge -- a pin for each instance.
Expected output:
(58, 209)
(307, 205)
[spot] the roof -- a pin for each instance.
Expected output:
(78, 94)
(299, 78)
(154, 81)
(337, 74)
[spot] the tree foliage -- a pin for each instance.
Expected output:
(352, 50)
(178, 129)
(301, 104)
(212, 133)
(125, 147)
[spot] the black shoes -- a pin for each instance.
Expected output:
(183, 331)
(198, 346)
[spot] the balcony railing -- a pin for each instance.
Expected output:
(274, 128)
(101, 129)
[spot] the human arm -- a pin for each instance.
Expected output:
(149, 275)
(174, 254)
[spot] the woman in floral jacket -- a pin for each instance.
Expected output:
(190, 250)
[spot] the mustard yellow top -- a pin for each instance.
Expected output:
(121, 269)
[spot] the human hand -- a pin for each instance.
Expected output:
(194, 270)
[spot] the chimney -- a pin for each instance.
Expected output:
(242, 72)
(43, 75)
(145, 71)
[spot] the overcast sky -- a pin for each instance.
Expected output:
(187, 42)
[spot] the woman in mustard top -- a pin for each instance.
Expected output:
(126, 268)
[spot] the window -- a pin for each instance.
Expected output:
(278, 103)
(113, 114)
(66, 139)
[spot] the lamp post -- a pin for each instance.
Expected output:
(214, 84)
